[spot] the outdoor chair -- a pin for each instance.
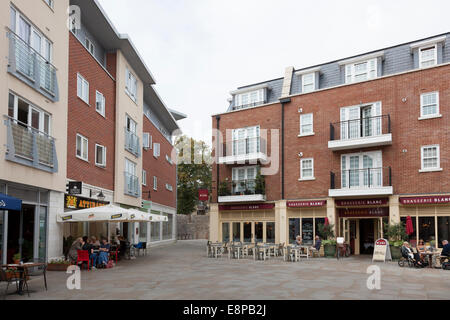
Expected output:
(12, 278)
(114, 254)
(209, 251)
(39, 271)
(141, 246)
(83, 256)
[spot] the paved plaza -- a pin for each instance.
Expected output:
(182, 271)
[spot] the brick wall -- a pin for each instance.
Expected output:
(84, 119)
(192, 227)
(408, 133)
(159, 167)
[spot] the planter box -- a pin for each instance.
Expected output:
(396, 252)
(330, 250)
(57, 267)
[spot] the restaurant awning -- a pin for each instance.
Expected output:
(108, 213)
(10, 203)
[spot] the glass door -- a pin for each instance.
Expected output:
(248, 235)
(259, 232)
(225, 232)
(236, 232)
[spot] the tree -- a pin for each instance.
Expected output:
(194, 172)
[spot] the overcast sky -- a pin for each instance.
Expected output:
(200, 50)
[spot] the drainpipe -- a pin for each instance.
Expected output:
(283, 102)
(217, 157)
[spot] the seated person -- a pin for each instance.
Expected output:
(93, 256)
(408, 252)
(103, 255)
(298, 241)
(446, 249)
(317, 244)
(95, 242)
(421, 246)
(73, 251)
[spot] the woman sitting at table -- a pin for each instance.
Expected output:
(298, 241)
(73, 251)
(103, 255)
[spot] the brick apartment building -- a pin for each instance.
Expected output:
(362, 141)
(79, 109)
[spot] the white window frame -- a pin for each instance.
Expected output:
(422, 105)
(156, 150)
(438, 155)
(144, 178)
(147, 139)
(421, 61)
(83, 92)
(302, 177)
(89, 45)
(350, 71)
(97, 163)
(83, 139)
(50, 3)
(131, 85)
(155, 183)
(169, 159)
(169, 187)
(103, 103)
(305, 134)
(253, 97)
(313, 83)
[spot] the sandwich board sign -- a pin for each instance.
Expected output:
(382, 251)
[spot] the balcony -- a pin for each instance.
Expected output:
(361, 182)
(29, 66)
(132, 185)
(360, 133)
(249, 150)
(248, 105)
(242, 191)
(30, 147)
(132, 143)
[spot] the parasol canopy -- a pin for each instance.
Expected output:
(409, 226)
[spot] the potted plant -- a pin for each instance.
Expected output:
(396, 234)
(223, 189)
(326, 232)
(58, 265)
(12, 274)
(16, 258)
(260, 185)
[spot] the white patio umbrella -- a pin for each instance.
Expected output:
(108, 213)
(149, 217)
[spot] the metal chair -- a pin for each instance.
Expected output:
(39, 271)
(12, 277)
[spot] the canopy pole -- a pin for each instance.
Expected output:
(109, 232)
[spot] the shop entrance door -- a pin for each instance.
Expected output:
(21, 233)
(367, 235)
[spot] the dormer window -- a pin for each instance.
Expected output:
(308, 82)
(361, 71)
(428, 56)
(250, 97)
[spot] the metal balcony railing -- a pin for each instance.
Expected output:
(361, 178)
(132, 143)
(29, 146)
(244, 147)
(242, 187)
(360, 128)
(131, 185)
(248, 105)
(31, 67)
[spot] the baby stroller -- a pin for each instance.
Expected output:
(406, 260)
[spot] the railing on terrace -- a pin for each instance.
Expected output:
(132, 143)
(242, 187)
(361, 178)
(360, 128)
(29, 146)
(131, 185)
(242, 147)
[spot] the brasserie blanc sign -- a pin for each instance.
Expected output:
(426, 200)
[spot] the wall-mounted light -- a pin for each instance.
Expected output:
(404, 100)
(300, 110)
(300, 154)
(101, 196)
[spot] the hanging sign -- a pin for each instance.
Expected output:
(382, 251)
(203, 194)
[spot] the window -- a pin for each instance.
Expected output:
(100, 155)
(131, 125)
(144, 177)
(244, 179)
(431, 158)
(428, 56)
(355, 171)
(147, 141)
(252, 98)
(169, 187)
(155, 183)
(156, 150)
(361, 121)
(307, 169)
(28, 114)
(100, 103)
(82, 147)
(429, 105)
(308, 82)
(82, 88)
(49, 3)
(306, 124)
(246, 141)
(169, 160)
(130, 167)
(90, 46)
(361, 71)
(131, 85)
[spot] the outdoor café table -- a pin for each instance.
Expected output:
(235, 248)
(23, 270)
(264, 248)
(302, 251)
(215, 247)
(430, 257)
(296, 250)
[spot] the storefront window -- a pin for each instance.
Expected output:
(294, 229)
(143, 231)
(319, 221)
(43, 233)
(412, 237)
(167, 227)
(259, 232)
(307, 231)
(443, 229)
(426, 229)
(247, 232)
(270, 232)
(226, 232)
(155, 231)
(236, 231)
